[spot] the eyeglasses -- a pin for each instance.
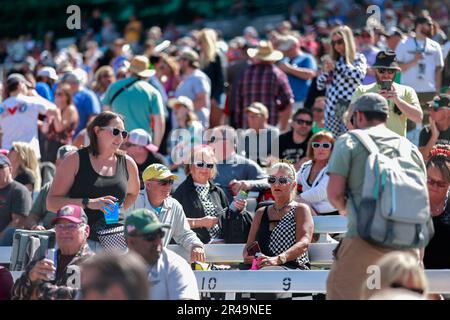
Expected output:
(439, 184)
(279, 180)
(59, 93)
(67, 226)
(303, 122)
(397, 285)
(318, 110)
(153, 236)
(384, 70)
(116, 131)
(204, 165)
(325, 145)
(339, 42)
(165, 182)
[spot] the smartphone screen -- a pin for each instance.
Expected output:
(386, 85)
(253, 249)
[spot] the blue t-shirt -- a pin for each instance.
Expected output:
(87, 104)
(44, 90)
(299, 86)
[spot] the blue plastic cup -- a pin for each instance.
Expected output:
(112, 213)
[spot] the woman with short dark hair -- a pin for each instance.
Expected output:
(97, 176)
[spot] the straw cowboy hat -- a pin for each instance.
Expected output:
(139, 66)
(265, 52)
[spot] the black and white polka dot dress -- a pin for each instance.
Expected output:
(340, 85)
(283, 237)
(208, 207)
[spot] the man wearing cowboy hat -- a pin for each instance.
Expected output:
(402, 100)
(137, 100)
(264, 82)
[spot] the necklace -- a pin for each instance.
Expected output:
(440, 209)
(278, 210)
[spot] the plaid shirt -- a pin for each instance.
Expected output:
(265, 83)
(58, 289)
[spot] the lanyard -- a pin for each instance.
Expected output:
(424, 45)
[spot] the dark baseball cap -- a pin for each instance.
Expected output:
(371, 102)
(4, 161)
(423, 19)
(72, 213)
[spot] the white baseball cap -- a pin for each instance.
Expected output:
(142, 138)
(48, 72)
(183, 100)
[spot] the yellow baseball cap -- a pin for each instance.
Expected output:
(158, 172)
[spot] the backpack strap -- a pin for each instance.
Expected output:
(365, 139)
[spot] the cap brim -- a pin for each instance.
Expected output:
(257, 111)
(384, 67)
(146, 73)
(274, 56)
(68, 218)
(168, 175)
(151, 147)
(154, 227)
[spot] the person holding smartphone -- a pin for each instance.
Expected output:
(283, 229)
(403, 101)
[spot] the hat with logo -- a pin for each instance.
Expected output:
(158, 172)
(4, 161)
(71, 213)
(440, 101)
(139, 66)
(287, 42)
(15, 78)
(48, 72)
(387, 60)
(371, 102)
(142, 138)
(258, 108)
(183, 100)
(143, 221)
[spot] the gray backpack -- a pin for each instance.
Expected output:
(394, 210)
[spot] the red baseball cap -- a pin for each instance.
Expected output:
(71, 213)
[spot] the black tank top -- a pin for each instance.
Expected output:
(89, 184)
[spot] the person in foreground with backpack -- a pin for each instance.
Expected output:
(72, 231)
(382, 191)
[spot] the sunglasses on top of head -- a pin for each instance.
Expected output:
(279, 180)
(325, 145)
(116, 131)
(201, 164)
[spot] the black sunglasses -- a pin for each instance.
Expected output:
(340, 42)
(305, 122)
(318, 110)
(280, 180)
(116, 131)
(153, 236)
(165, 182)
(203, 165)
(383, 70)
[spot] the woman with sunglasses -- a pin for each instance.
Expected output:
(341, 74)
(312, 178)
(283, 229)
(98, 176)
(438, 170)
(59, 129)
(202, 200)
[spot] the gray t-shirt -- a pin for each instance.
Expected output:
(239, 168)
(14, 198)
(348, 159)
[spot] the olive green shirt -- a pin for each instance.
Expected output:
(395, 122)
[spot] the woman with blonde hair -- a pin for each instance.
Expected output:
(396, 270)
(312, 178)
(211, 63)
(283, 229)
(103, 77)
(25, 166)
(341, 74)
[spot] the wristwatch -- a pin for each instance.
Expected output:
(282, 258)
(85, 202)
